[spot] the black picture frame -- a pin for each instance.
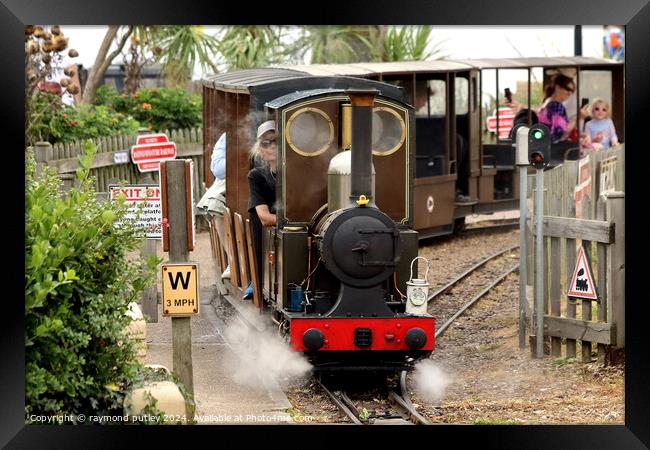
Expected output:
(634, 14)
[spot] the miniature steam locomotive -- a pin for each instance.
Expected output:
(337, 263)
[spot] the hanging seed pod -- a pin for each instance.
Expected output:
(39, 32)
(47, 36)
(73, 89)
(73, 53)
(60, 43)
(70, 71)
(33, 47)
(55, 30)
(65, 82)
(29, 30)
(157, 50)
(46, 59)
(47, 46)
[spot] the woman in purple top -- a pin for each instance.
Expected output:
(553, 113)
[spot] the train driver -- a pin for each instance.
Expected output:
(261, 184)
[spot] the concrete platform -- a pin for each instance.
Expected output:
(499, 215)
(219, 397)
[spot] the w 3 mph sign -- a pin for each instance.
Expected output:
(150, 150)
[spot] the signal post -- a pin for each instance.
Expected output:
(533, 148)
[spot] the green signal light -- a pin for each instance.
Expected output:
(537, 134)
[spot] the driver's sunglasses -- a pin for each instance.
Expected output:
(266, 143)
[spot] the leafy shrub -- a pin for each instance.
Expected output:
(54, 121)
(156, 108)
(78, 284)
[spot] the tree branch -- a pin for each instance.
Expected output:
(102, 61)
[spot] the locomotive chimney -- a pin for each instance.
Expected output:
(361, 171)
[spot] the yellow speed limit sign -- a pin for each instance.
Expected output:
(180, 289)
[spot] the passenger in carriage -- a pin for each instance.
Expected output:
(218, 169)
(553, 113)
(261, 184)
(600, 133)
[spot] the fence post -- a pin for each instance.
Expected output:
(616, 270)
(43, 152)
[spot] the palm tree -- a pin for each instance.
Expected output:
(333, 44)
(245, 47)
(348, 44)
(405, 43)
(181, 47)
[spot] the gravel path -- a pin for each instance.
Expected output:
(481, 374)
(488, 379)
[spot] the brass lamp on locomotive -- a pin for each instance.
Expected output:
(337, 262)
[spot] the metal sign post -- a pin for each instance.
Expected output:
(539, 262)
(539, 153)
(521, 144)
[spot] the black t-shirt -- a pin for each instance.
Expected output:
(261, 184)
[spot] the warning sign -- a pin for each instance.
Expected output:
(582, 283)
(143, 203)
(180, 292)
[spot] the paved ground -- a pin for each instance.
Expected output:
(219, 397)
(500, 215)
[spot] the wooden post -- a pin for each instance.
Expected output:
(570, 179)
(616, 267)
(149, 296)
(43, 152)
(179, 253)
(602, 279)
(555, 292)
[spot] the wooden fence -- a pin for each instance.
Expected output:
(584, 204)
(108, 167)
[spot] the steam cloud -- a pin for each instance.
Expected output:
(261, 355)
(430, 382)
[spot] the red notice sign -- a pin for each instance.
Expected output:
(149, 166)
(506, 119)
(150, 150)
(153, 152)
(151, 139)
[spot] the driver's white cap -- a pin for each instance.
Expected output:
(266, 126)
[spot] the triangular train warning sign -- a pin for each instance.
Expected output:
(582, 283)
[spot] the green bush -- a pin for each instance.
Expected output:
(78, 284)
(156, 108)
(54, 121)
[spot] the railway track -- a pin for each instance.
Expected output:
(474, 283)
(400, 412)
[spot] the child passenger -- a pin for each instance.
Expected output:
(600, 131)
